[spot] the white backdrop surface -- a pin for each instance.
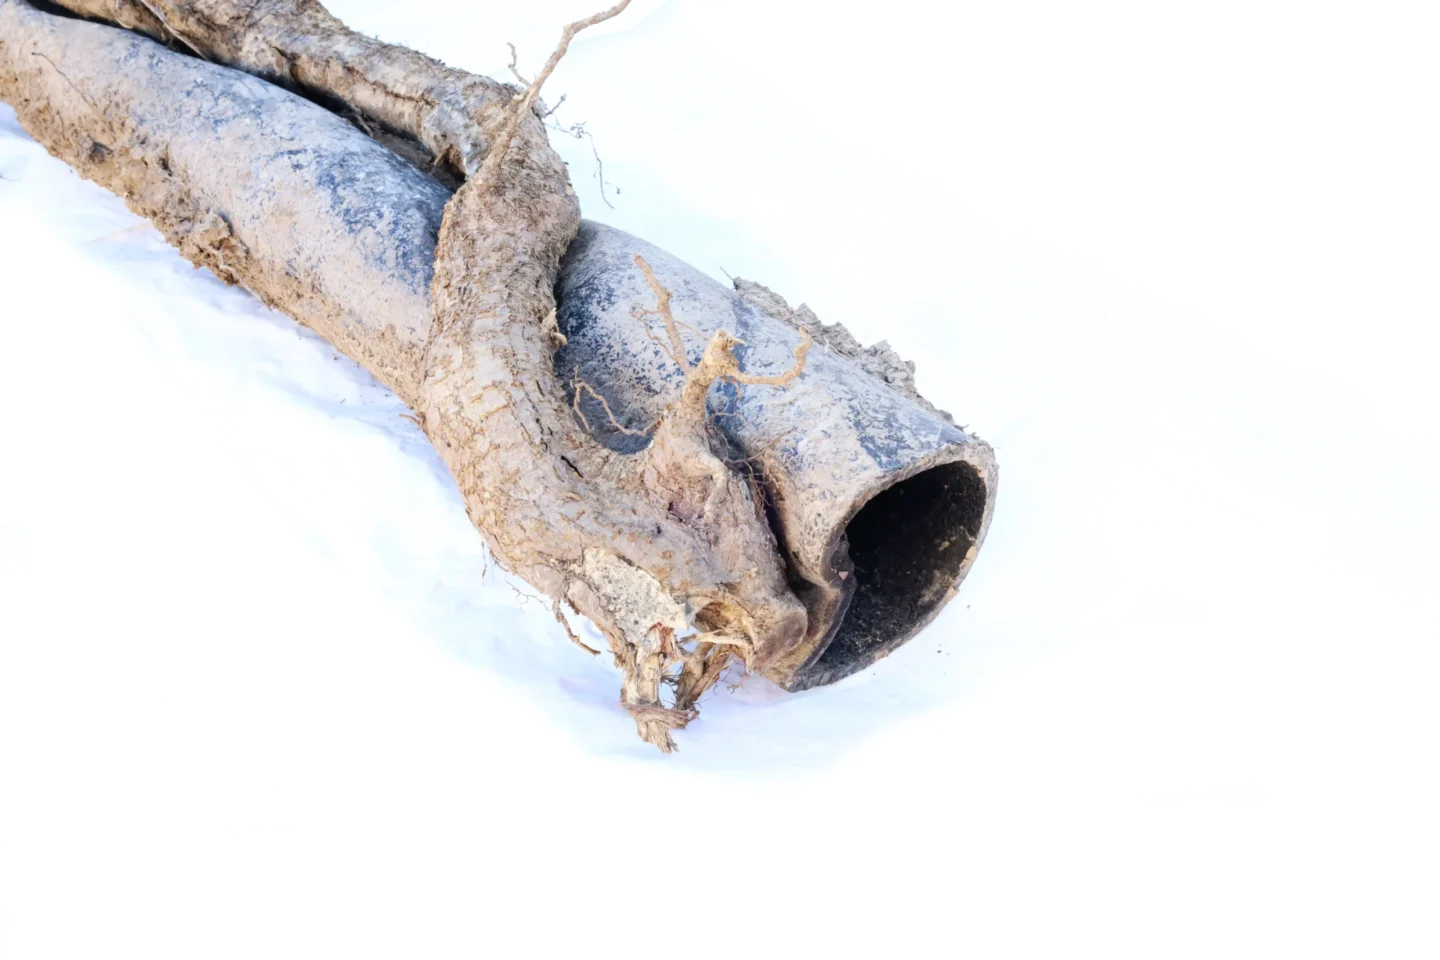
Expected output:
(261, 697)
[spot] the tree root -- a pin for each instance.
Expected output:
(649, 544)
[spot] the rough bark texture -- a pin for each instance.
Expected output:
(646, 545)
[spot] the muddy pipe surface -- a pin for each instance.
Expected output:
(879, 502)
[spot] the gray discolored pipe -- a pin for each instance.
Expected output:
(879, 502)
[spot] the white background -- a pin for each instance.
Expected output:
(260, 697)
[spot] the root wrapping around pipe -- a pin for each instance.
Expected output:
(698, 502)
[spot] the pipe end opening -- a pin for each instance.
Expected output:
(910, 546)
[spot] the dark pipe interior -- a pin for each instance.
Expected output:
(908, 545)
